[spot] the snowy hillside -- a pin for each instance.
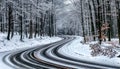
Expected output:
(81, 51)
(15, 43)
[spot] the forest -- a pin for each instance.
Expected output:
(27, 17)
(96, 19)
(60, 34)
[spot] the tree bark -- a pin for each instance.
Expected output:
(119, 25)
(31, 30)
(9, 22)
(82, 21)
(99, 22)
(21, 28)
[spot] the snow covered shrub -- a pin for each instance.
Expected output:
(108, 51)
(97, 49)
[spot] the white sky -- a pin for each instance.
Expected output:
(67, 2)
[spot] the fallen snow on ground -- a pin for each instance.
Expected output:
(81, 51)
(15, 42)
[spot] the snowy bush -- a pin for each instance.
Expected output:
(97, 49)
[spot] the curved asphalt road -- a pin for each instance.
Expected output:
(48, 57)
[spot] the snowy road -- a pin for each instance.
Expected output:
(47, 56)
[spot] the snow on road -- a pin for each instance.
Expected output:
(81, 51)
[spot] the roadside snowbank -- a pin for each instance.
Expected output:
(15, 43)
(81, 51)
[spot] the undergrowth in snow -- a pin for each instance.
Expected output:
(15, 42)
(80, 51)
(97, 49)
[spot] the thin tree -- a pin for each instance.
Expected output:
(12, 26)
(31, 24)
(31, 30)
(118, 7)
(99, 21)
(21, 28)
(92, 24)
(9, 21)
(82, 20)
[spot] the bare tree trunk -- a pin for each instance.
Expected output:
(31, 30)
(109, 33)
(118, 19)
(92, 25)
(82, 20)
(21, 28)
(119, 25)
(36, 27)
(99, 22)
(9, 23)
(41, 25)
(12, 27)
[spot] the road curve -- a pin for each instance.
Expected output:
(48, 57)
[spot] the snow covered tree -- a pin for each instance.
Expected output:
(28, 17)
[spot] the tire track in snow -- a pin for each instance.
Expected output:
(47, 56)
